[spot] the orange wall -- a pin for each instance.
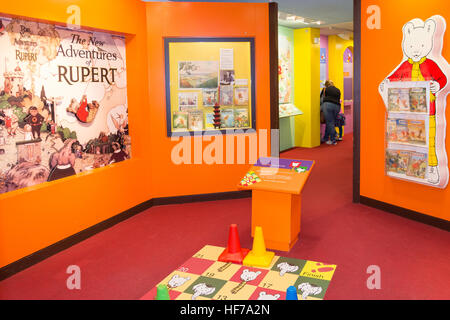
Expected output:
(201, 20)
(381, 52)
(34, 218)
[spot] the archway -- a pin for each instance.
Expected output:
(347, 96)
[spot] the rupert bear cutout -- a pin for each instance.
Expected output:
(423, 61)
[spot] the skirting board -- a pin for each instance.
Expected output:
(34, 258)
(406, 213)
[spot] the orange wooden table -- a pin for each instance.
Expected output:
(276, 199)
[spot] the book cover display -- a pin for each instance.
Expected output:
(402, 130)
(227, 118)
(403, 161)
(63, 102)
(285, 68)
(180, 120)
(195, 118)
(391, 130)
(209, 119)
(415, 97)
(406, 133)
(418, 100)
(399, 99)
(209, 78)
(241, 118)
(417, 165)
(416, 132)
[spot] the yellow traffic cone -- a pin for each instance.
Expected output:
(258, 257)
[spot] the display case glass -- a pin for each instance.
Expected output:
(407, 130)
(210, 85)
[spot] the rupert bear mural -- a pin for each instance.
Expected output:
(423, 61)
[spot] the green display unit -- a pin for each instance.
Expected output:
(287, 115)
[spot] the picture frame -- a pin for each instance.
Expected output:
(191, 72)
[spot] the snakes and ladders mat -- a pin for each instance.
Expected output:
(202, 277)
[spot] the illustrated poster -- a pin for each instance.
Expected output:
(63, 102)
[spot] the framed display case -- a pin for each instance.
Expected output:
(407, 130)
(210, 85)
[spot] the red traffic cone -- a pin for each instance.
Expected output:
(233, 253)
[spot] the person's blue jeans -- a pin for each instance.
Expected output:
(341, 131)
(330, 111)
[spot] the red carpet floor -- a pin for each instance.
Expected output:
(125, 261)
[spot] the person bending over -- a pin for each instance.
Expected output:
(331, 107)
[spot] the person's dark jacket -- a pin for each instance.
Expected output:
(333, 95)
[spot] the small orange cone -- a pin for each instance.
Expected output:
(258, 257)
(233, 253)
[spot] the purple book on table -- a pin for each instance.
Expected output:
(284, 163)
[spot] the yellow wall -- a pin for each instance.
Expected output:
(307, 87)
(336, 49)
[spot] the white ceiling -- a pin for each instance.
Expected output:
(327, 11)
(335, 16)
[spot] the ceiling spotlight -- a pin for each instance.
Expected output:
(344, 36)
(291, 18)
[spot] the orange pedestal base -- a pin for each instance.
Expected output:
(279, 216)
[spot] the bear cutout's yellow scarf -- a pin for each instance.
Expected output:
(416, 75)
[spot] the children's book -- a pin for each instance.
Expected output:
(209, 97)
(188, 99)
(196, 120)
(418, 100)
(402, 130)
(416, 132)
(226, 95)
(403, 104)
(392, 160)
(241, 118)
(398, 99)
(403, 161)
(226, 118)
(391, 128)
(241, 96)
(209, 119)
(393, 96)
(180, 120)
(417, 166)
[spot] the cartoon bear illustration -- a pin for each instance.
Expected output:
(423, 61)
(85, 112)
(246, 276)
(177, 281)
(308, 289)
(264, 296)
(286, 267)
(202, 289)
